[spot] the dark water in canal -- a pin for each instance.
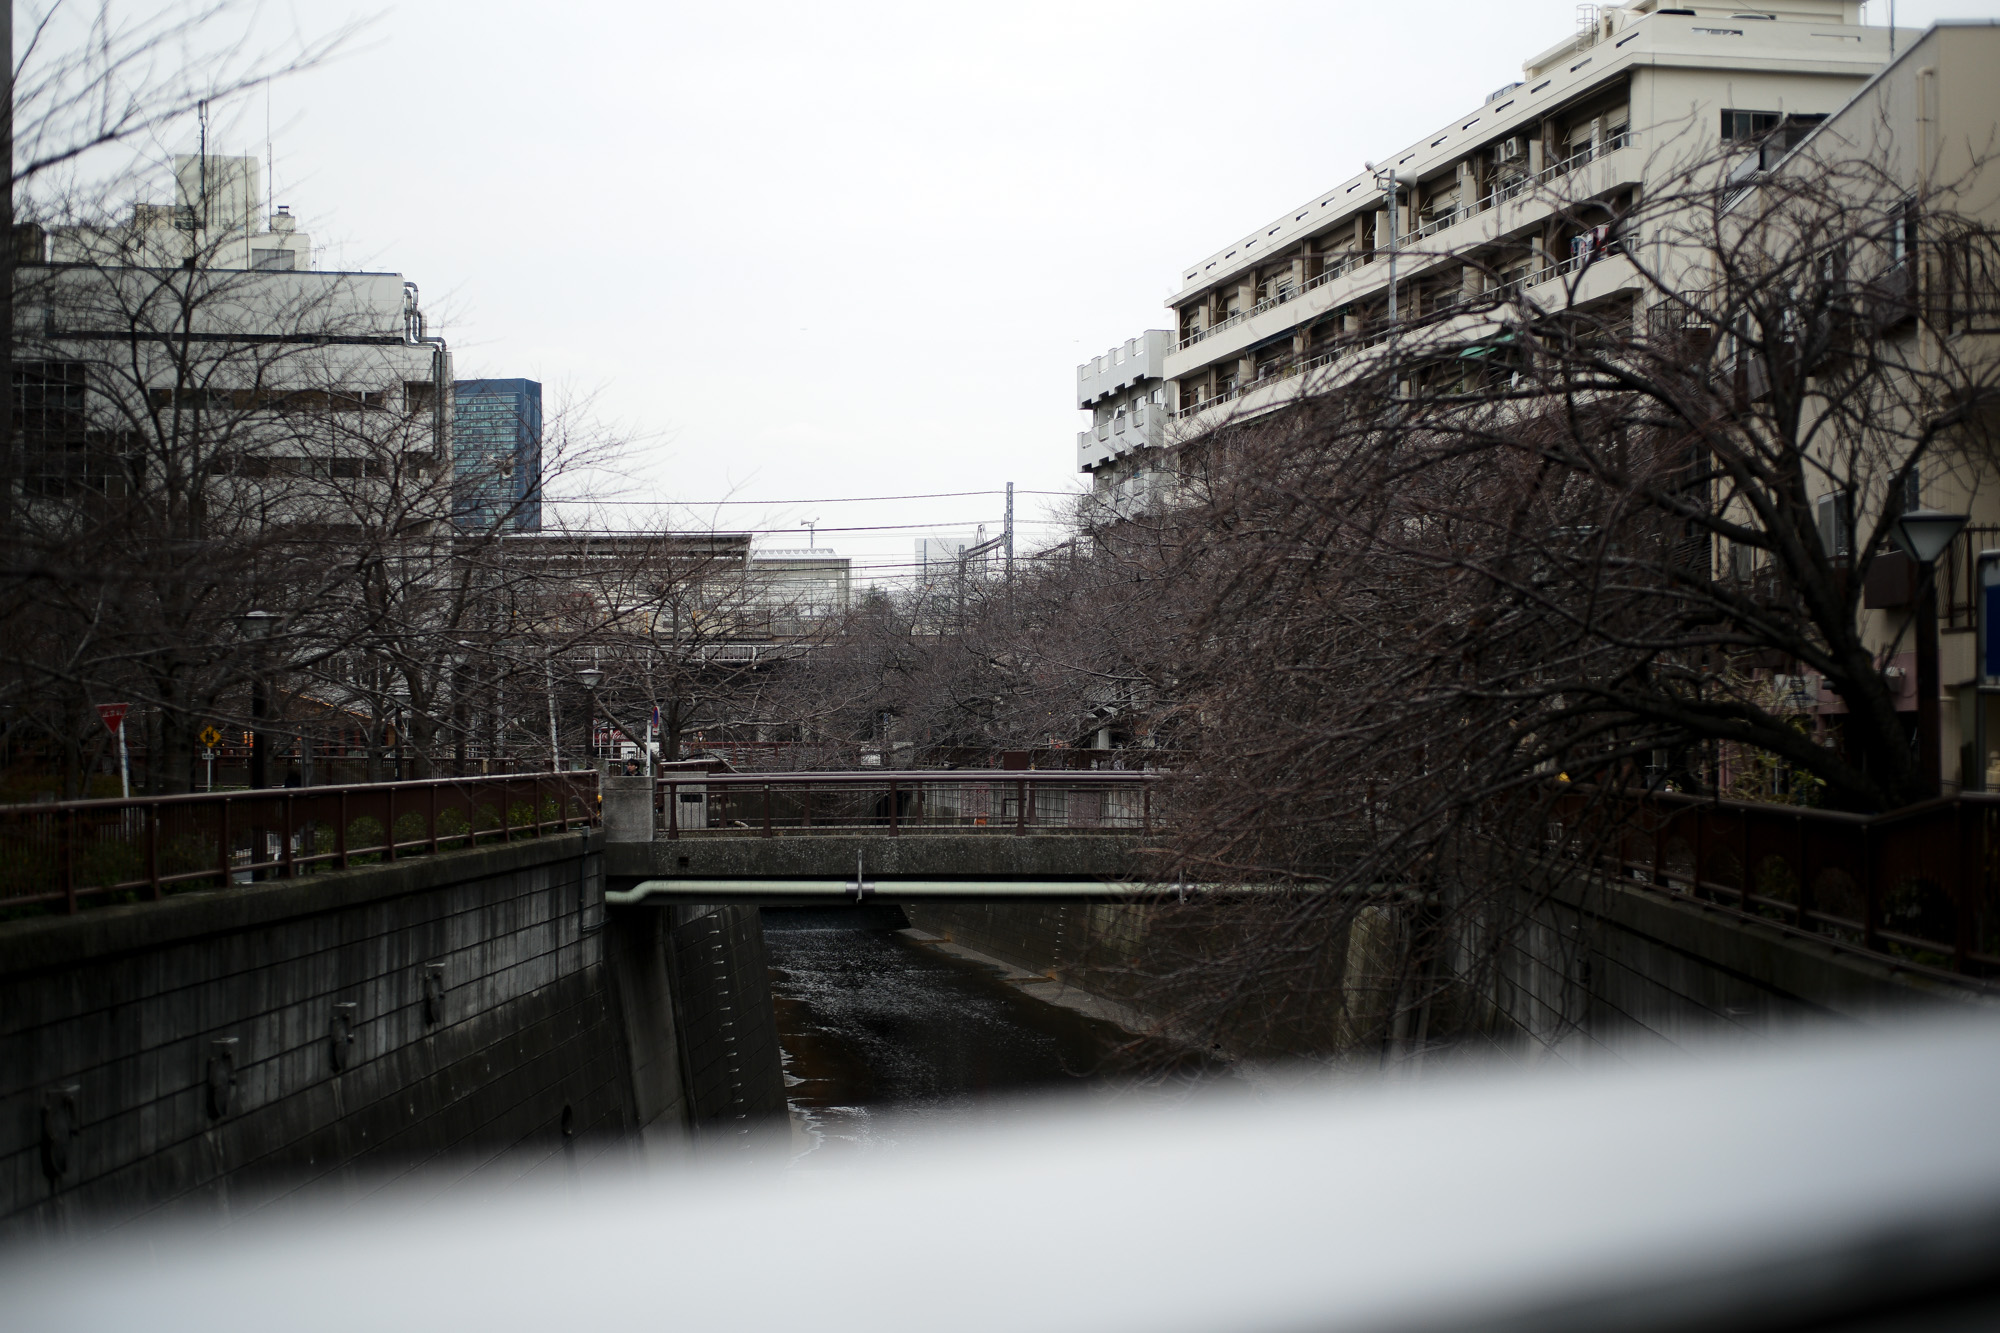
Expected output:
(881, 1033)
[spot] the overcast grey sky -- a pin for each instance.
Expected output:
(814, 250)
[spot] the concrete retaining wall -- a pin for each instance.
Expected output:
(217, 1050)
(1610, 970)
(728, 1027)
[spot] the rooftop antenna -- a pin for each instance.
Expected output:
(1892, 29)
(270, 163)
(811, 523)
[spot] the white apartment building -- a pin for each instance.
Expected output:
(1500, 196)
(1126, 394)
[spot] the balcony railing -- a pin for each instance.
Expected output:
(64, 855)
(1285, 371)
(1512, 187)
(905, 803)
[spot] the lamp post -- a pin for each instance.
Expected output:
(257, 627)
(1924, 534)
(590, 677)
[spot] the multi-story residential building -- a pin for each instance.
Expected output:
(1928, 285)
(497, 455)
(1126, 396)
(1501, 196)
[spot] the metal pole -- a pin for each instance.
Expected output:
(1009, 530)
(1395, 226)
(124, 764)
(555, 744)
(1929, 749)
(260, 750)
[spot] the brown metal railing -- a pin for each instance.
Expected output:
(1917, 885)
(905, 802)
(65, 855)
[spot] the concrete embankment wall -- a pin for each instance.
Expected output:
(475, 1011)
(1608, 971)
(219, 1049)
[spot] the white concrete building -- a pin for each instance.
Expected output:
(217, 219)
(1125, 394)
(799, 590)
(1494, 197)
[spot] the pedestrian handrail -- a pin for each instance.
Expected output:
(896, 802)
(1917, 885)
(64, 855)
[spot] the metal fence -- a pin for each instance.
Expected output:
(1917, 885)
(906, 802)
(64, 855)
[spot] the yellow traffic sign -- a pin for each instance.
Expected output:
(209, 736)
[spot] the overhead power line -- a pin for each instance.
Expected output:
(820, 500)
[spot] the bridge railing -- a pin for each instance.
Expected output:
(906, 802)
(1920, 885)
(63, 855)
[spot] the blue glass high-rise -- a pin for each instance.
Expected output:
(497, 455)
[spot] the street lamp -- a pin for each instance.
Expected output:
(256, 627)
(589, 677)
(1925, 534)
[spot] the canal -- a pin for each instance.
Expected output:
(881, 1032)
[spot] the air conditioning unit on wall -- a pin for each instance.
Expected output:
(1509, 150)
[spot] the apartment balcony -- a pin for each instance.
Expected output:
(1127, 433)
(1500, 215)
(1579, 280)
(1584, 278)
(1121, 368)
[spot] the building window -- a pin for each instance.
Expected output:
(273, 259)
(1748, 126)
(1835, 513)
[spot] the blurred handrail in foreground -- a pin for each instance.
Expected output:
(1846, 1180)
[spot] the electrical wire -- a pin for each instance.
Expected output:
(822, 500)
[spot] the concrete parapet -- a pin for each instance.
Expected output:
(628, 808)
(1001, 856)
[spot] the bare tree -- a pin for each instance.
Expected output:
(1533, 543)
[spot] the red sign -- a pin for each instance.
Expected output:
(113, 715)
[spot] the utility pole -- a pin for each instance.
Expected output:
(1008, 532)
(1386, 180)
